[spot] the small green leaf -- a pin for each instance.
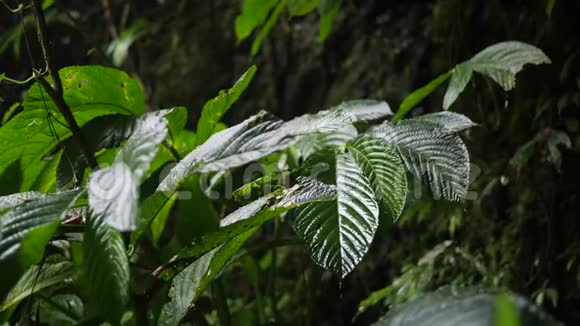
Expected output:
(327, 10)
(267, 27)
(214, 109)
(301, 7)
(254, 13)
(459, 80)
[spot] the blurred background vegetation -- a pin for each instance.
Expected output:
(519, 230)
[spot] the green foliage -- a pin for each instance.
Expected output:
(214, 109)
(90, 92)
(38, 278)
(456, 306)
(266, 13)
(346, 224)
(146, 240)
(499, 62)
(105, 273)
(382, 165)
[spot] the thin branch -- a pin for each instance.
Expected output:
(55, 92)
(172, 150)
(14, 10)
(109, 17)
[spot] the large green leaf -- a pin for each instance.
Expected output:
(464, 306)
(105, 276)
(37, 278)
(382, 165)
(189, 284)
(500, 62)
(256, 137)
(339, 232)
(113, 192)
(250, 217)
(90, 91)
(214, 109)
(430, 150)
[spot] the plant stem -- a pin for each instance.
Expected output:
(55, 91)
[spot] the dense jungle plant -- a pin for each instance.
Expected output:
(98, 191)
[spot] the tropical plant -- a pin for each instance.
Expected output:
(100, 177)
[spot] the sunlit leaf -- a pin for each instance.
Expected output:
(459, 80)
(90, 92)
(366, 110)
(501, 62)
(432, 152)
(382, 165)
(250, 217)
(339, 232)
(113, 192)
(254, 138)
